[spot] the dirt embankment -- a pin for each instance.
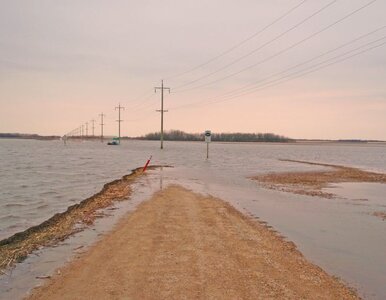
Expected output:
(312, 183)
(180, 245)
(60, 226)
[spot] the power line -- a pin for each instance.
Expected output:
(297, 74)
(240, 43)
(313, 68)
(146, 116)
(261, 46)
(145, 104)
(148, 95)
(307, 61)
(286, 49)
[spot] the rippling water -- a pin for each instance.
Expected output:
(41, 178)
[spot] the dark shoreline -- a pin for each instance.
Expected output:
(60, 226)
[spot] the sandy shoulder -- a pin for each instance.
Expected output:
(180, 245)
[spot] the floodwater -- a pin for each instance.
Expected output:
(41, 178)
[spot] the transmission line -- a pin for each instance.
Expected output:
(240, 43)
(297, 74)
(261, 46)
(284, 50)
(307, 61)
(147, 102)
(314, 68)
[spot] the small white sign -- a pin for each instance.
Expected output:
(208, 136)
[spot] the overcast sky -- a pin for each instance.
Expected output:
(62, 63)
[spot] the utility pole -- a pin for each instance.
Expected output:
(102, 115)
(119, 121)
(162, 88)
(86, 129)
(93, 127)
(82, 130)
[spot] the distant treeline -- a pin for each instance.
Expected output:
(178, 135)
(27, 136)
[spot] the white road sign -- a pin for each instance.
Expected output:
(208, 136)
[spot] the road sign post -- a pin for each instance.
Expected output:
(208, 137)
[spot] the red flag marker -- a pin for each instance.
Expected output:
(147, 163)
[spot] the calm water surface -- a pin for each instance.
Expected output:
(41, 178)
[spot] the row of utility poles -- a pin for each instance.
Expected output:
(82, 131)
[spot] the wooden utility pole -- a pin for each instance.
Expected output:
(162, 88)
(119, 107)
(102, 115)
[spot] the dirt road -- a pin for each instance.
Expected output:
(180, 245)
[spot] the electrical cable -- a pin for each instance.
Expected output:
(284, 50)
(260, 47)
(240, 43)
(303, 72)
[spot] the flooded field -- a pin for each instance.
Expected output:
(341, 235)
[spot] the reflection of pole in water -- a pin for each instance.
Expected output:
(161, 178)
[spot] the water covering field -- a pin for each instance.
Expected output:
(41, 178)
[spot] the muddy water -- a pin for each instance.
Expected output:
(41, 178)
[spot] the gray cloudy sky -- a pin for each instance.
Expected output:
(64, 62)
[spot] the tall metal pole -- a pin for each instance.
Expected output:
(119, 121)
(86, 129)
(162, 88)
(102, 115)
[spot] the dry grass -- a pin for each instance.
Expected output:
(312, 183)
(62, 225)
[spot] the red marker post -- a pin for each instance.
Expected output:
(147, 163)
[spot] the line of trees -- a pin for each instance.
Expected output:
(28, 136)
(178, 135)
